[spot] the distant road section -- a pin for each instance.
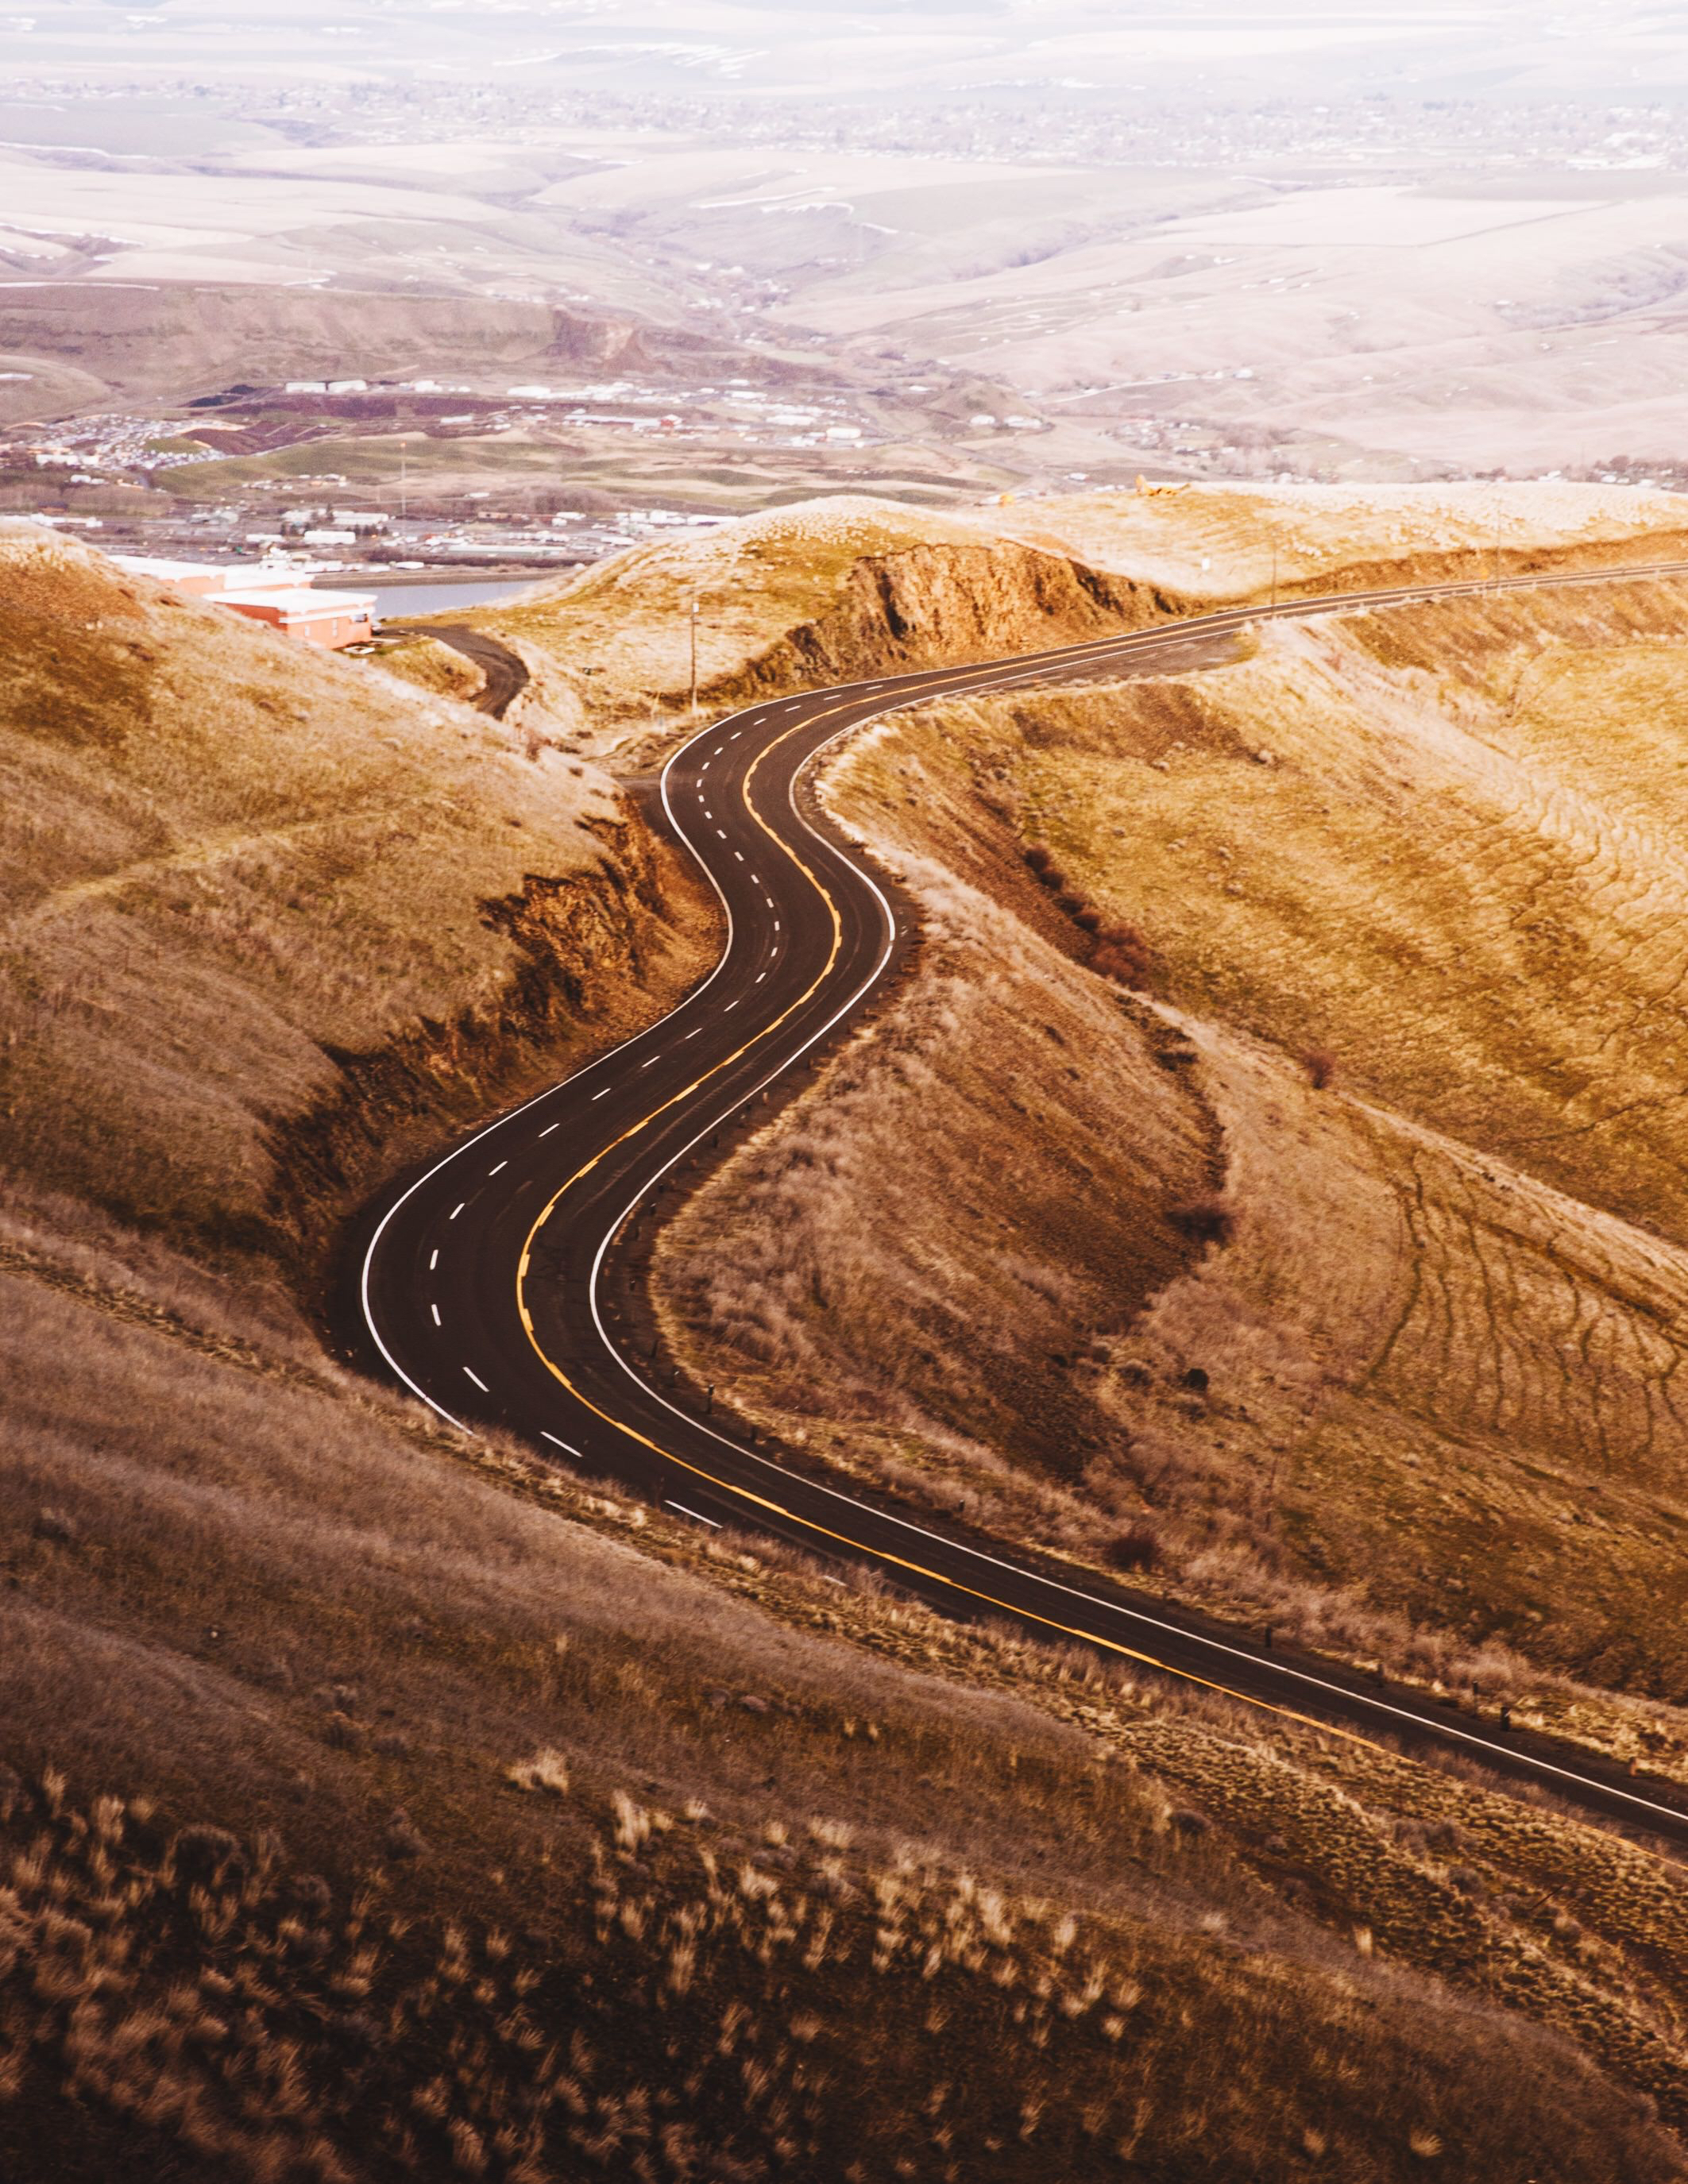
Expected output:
(502, 1285)
(505, 671)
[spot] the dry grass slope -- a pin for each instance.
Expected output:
(191, 2001)
(441, 1811)
(829, 590)
(1410, 970)
(233, 867)
(354, 1821)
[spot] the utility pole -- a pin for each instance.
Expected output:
(694, 660)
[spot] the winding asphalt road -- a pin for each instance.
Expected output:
(504, 1284)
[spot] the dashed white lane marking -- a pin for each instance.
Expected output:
(729, 1010)
(721, 831)
(775, 925)
(696, 1516)
(652, 1063)
(494, 1171)
(434, 1309)
(693, 1032)
(734, 736)
(459, 1207)
(478, 1381)
(740, 854)
(605, 1094)
(761, 975)
(434, 1262)
(549, 1128)
(567, 1447)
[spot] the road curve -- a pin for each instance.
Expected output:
(504, 673)
(503, 1284)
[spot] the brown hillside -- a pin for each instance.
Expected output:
(365, 1821)
(249, 890)
(1418, 1359)
(143, 338)
(376, 1803)
(850, 587)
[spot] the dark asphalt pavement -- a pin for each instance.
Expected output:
(504, 1284)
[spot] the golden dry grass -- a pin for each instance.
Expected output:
(1412, 1386)
(364, 1832)
(195, 2007)
(232, 866)
(1215, 541)
(832, 589)
(393, 1806)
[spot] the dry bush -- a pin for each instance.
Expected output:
(1205, 1220)
(1122, 953)
(1138, 1548)
(184, 2000)
(1320, 1064)
(547, 1769)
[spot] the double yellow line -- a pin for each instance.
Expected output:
(748, 1494)
(943, 682)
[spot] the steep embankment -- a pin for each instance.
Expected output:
(260, 909)
(853, 587)
(1402, 899)
(399, 1808)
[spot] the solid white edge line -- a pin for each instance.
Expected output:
(696, 1516)
(567, 1447)
(1380, 1707)
(477, 1378)
(365, 1272)
(1105, 649)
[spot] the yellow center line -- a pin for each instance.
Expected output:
(1133, 640)
(633, 1129)
(761, 1502)
(756, 1038)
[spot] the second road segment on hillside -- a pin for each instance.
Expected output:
(494, 1285)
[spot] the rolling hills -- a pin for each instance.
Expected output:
(850, 585)
(381, 1802)
(1334, 1236)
